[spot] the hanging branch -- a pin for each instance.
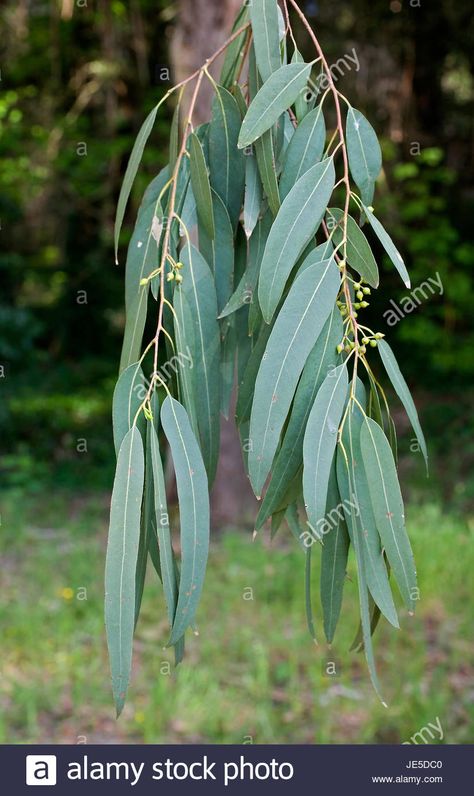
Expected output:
(243, 256)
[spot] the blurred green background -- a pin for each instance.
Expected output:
(77, 81)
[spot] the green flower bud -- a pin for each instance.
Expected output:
(379, 335)
(367, 291)
(178, 278)
(340, 348)
(362, 349)
(360, 294)
(365, 340)
(373, 343)
(170, 276)
(364, 304)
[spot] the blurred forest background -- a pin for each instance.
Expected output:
(77, 79)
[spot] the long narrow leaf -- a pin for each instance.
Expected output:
(320, 441)
(121, 561)
(276, 95)
(401, 388)
(387, 504)
(192, 486)
(297, 221)
(131, 171)
(296, 330)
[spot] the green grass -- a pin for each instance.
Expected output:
(252, 674)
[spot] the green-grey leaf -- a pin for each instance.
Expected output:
(145, 530)
(294, 334)
(185, 351)
(333, 560)
(134, 328)
(359, 253)
(304, 150)
(388, 245)
(174, 138)
(319, 444)
(343, 480)
(155, 189)
(226, 162)
(143, 250)
(301, 106)
(363, 149)
(235, 51)
(192, 487)
(264, 20)
(401, 388)
(247, 382)
(168, 575)
(228, 348)
(276, 95)
(289, 457)
(121, 561)
(131, 171)
(244, 293)
(365, 524)
(219, 251)
(199, 290)
(253, 194)
(264, 152)
(129, 393)
(297, 221)
(201, 185)
(387, 505)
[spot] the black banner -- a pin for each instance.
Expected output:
(236, 769)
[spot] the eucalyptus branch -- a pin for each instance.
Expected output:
(258, 294)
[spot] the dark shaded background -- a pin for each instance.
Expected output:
(77, 80)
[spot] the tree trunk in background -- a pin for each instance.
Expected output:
(202, 26)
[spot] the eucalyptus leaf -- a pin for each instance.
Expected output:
(253, 194)
(134, 328)
(343, 480)
(320, 440)
(333, 560)
(219, 251)
(131, 172)
(304, 150)
(388, 245)
(192, 486)
(363, 149)
(296, 223)
(245, 291)
(129, 393)
(277, 94)
(365, 524)
(199, 290)
(226, 162)
(290, 456)
(359, 253)
(163, 534)
(387, 505)
(121, 561)
(264, 20)
(401, 388)
(264, 152)
(201, 184)
(296, 330)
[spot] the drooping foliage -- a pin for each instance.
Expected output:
(251, 258)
